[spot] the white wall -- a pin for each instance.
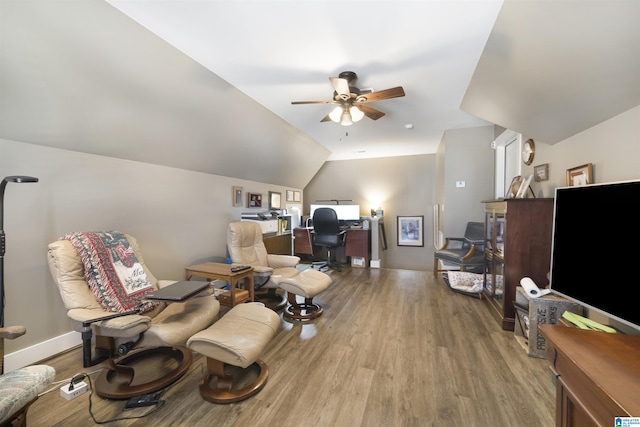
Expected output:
(612, 146)
(179, 218)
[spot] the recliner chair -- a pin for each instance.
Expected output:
(327, 233)
(21, 387)
(246, 247)
(159, 335)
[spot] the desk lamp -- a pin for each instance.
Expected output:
(18, 179)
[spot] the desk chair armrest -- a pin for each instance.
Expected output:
(260, 270)
(279, 261)
(112, 321)
(448, 240)
(12, 332)
(470, 253)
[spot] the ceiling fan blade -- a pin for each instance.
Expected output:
(394, 92)
(341, 86)
(372, 113)
(313, 102)
(325, 119)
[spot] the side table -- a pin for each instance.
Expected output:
(220, 271)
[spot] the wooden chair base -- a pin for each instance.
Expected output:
(271, 299)
(232, 383)
(143, 371)
(307, 310)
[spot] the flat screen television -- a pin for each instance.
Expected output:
(595, 248)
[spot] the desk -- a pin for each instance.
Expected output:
(219, 271)
(357, 242)
(277, 243)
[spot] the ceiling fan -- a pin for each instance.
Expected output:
(351, 101)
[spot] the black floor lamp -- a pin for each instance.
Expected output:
(6, 180)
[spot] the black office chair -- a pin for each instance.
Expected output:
(327, 233)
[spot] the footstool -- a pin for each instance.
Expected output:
(307, 284)
(232, 346)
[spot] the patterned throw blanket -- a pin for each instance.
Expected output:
(114, 274)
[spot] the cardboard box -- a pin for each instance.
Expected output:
(546, 309)
(357, 261)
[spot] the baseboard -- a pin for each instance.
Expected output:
(41, 351)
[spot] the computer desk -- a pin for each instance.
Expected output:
(357, 243)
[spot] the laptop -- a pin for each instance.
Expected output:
(178, 291)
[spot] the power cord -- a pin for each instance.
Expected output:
(82, 376)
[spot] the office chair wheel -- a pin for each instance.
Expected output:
(143, 371)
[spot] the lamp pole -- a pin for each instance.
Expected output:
(5, 181)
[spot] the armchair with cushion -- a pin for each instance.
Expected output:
(468, 255)
(246, 247)
(113, 322)
(21, 387)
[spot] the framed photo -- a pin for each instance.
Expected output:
(522, 191)
(580, 175)
(290, 196)
(296, 196)
(237, 196)
(255, 200)
(541, 172)
(514, 186)
(275, 201)
(411, 230)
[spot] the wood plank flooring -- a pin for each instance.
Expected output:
(393, 348)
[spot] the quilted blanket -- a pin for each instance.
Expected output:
(114, 274)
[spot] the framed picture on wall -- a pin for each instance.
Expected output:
(296, 196)
(581, 175)
(255, 200)
(411, 230)
(275, 201)
(237, 196)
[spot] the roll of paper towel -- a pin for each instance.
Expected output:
(532, 289)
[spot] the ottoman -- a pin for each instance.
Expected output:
(307, 284)
(232, 346)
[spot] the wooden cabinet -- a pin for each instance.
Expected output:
(597, 375)
(278, 243)
(517, 245)
(358, 244)
(302, 241)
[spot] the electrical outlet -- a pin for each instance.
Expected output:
(78, 390)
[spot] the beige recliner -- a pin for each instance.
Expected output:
(159, 335)
(245, 246)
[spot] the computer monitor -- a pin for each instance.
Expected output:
(346, 213)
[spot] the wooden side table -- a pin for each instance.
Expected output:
(216, 270)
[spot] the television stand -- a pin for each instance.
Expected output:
(597, 375)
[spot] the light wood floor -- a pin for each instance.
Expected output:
(393, 348)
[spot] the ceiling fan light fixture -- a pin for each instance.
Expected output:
(356, 113)
(336, 114)
(346, 119)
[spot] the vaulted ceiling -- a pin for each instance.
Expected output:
(192, 83)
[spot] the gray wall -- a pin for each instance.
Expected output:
(469, 158)
(403, 185)
(178, 216)
(408, 185)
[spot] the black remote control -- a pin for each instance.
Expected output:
(239, 268)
